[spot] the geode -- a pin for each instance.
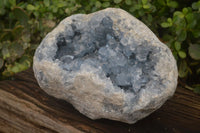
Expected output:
(107, 64)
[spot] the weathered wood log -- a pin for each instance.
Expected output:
(24, 107)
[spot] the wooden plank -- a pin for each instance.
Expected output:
(24, 107)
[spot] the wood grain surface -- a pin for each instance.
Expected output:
(26, 108)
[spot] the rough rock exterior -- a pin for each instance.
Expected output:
(106, 64)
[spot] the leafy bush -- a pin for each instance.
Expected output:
(176, 23)
(22, 26)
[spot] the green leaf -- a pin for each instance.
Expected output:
(179, 14)
(137, 6)
(106, 4)
(60, 5)
(144, 2)
(192, 24)
(17, 31)
(21, 15)
(16, 50)
(165, 24)
(178, 31)
(26, 38)
(5, 36)
(147, 6)
(30, 7)
(116, 6)
(5, 3)
(161, 2)
(117, 1)
(50, 16)
(128, 2)
(183, 69)
(177, 46)
(150, 18)
(7, 73)
(98, 4)
(175, 55)
(185, 11)
(169, 20)
(182, 36)
(172, 4)
(15, 68)
(23, 64)
(141, 13)
(36, 14)
(5, 53)
(182, 54)
(196, 33)
(2, 11)
(196, 5)
(12, 2)
(46, 3)
(197, 89)
(1, 63)
(132, 9)
(190, 20)
(168, 38)
(194, 51)
(180, 23)
(1, 3)
(189, 17)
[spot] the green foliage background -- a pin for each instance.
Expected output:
(23, 24)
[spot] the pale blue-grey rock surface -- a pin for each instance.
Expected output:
(106, 64)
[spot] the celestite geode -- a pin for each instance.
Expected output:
(107, 64)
